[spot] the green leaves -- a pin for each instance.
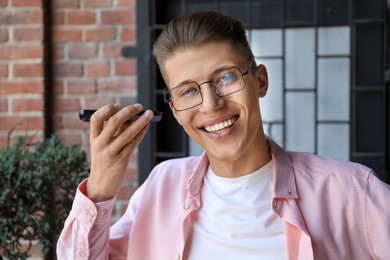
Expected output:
(37, 187)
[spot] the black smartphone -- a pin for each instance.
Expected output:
(85, 115)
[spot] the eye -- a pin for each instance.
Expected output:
(226, 79)
(187, 90)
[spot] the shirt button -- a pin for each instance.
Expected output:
(82, 253)
(103, 212)
(186, 206)
(178, 257)
(91, 212)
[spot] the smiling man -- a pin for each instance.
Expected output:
(245, 197)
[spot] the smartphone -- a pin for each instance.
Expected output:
(85, 115)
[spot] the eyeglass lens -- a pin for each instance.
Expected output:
(224, 83)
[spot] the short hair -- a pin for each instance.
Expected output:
(195, 29)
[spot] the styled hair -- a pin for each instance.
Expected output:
(194, 29)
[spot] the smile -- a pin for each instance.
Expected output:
(216, 128)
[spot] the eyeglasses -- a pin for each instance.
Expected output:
(224, 83)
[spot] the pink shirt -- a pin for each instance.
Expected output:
(331, 210)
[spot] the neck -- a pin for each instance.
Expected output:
(245, 164)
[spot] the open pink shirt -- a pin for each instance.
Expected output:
(331, 210)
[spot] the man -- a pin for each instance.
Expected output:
(245, 197)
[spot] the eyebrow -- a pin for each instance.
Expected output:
(216, 71)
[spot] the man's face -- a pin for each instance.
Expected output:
(228, 128)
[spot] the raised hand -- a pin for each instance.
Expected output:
(113, 140)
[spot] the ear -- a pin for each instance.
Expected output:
(262, 78)
(174, 112)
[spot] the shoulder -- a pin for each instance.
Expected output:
(318, 173)
(309, 165)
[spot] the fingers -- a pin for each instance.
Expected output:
(130, 147)
(115, 117)
(113, 132)
(118, 119)
(113, 140)
(100, 116)
(133, 134)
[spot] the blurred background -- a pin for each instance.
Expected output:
(328, 64)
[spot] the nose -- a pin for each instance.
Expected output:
(211, 101)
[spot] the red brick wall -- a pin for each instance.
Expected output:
(89, 72)
(21, 68)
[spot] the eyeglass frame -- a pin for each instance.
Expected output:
(167, 91)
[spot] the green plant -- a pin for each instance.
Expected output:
(37, 187)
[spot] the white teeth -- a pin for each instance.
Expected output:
(220, 126)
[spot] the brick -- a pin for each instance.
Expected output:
(28, 70)
(121, 16)
(98, 102)
(118, 86)
(4, 35)
(67, 105)
(80, 17)
(126, 192)
(4, 70)
(82, 87)
(97, 3)
(59, 18)
(70, 138)
(82, 51)
(57, 4)
(27, 104)
(24, 87)
(7, 140)
(85, 146)
(3, 3)
(28, 34)
(57, 121)
(3, 137)
(67, 35)
(3, 105)
(72, 121)
(59, 87)
(59, 51)
(20, 131)
(21, 122)
(21, 52)
(128, 34)
(126, 2)
(100, 34)
(98, 69)
(131, 173)
(23, 17)
(27, 3)
(68, 69)
(112, 50)
(126, 67)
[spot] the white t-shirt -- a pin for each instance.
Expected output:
(236, 220)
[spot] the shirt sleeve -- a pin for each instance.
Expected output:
(86, 230)
(378, 217)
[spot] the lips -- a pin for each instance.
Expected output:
(218, 127)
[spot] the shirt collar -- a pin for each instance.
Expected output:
(283, 177)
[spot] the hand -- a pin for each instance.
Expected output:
(113, 140)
